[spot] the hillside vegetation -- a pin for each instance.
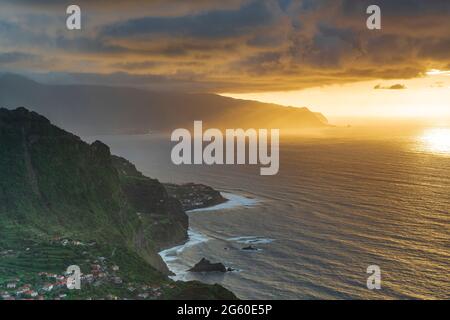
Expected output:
(64, 202)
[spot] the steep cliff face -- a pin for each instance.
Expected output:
(64, 202)
(53, 180)
(52, 184)
(50, 179)
(161, 215)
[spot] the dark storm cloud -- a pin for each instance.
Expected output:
(237, 45)
(397, 8)
(129, 7)
(228, 23)
(436, 49)
(87, 45)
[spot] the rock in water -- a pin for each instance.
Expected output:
(206, 266)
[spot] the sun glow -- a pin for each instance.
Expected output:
(436, 72)
(425, 99)
(436, 140)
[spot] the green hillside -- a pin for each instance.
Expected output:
(64, 202)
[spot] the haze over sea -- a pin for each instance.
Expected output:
(337, 205)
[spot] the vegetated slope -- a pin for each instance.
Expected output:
(55, 186)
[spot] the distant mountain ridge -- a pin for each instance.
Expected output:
(86, 109)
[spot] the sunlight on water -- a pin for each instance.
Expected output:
(436, 140)
(389, 200)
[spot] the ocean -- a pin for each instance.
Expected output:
(344, 199)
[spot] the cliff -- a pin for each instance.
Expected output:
(63, 200)
(161, 216)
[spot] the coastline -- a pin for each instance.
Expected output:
(171, 255)
(232, 201)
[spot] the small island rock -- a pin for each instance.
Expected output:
(206, 266)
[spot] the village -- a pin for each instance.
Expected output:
(102, 274)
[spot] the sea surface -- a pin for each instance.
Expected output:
(343, 199)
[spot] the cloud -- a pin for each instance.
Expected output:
(16, 57)
(397, 86)
(232, 46)
(136, 65)
(212, 24)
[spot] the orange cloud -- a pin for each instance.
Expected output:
(237, 46)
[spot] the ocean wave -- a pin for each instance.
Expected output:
(251, 240)
(172, 259)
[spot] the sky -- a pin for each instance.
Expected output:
(315, 53)
(424, 99)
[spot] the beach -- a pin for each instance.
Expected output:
(172, 257)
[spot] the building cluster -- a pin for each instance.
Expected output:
(54, 286)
